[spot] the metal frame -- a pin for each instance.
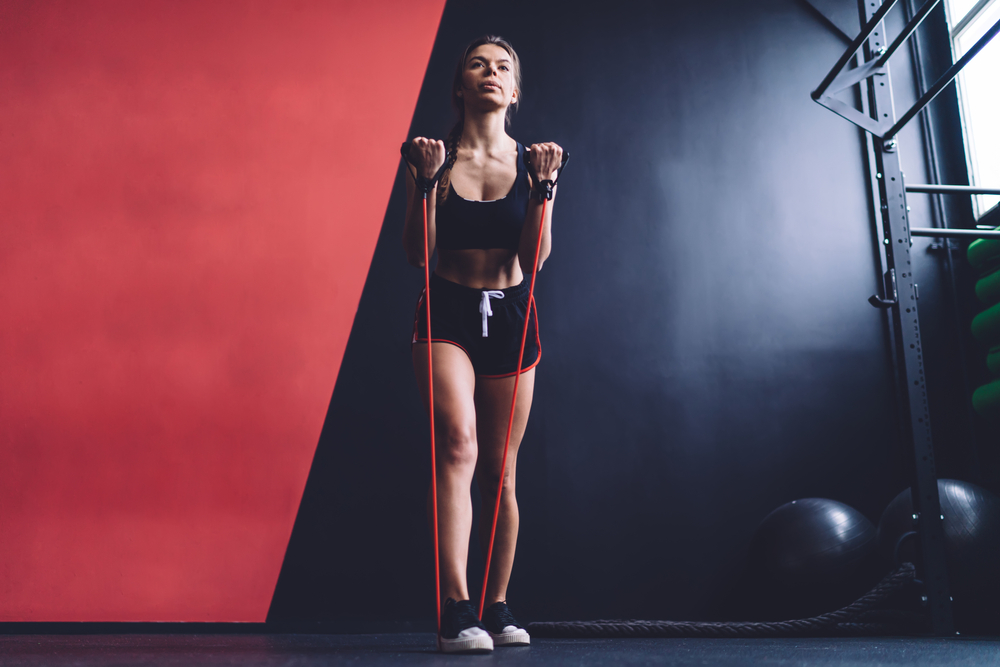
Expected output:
(942, 232)
(900, 294)
(900, 297)
(951, 189)
(876, 64)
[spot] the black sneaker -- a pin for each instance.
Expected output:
(503, 627)
(461, 631)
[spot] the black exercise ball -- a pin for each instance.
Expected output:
(813, 542)
(971, 533)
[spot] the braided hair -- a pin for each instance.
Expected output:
(454, 137)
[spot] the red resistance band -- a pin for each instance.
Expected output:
(510, 421)
(430, 402)
(425, 185)
(513, 403)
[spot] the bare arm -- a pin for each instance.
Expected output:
(545, 159)
(427, 156)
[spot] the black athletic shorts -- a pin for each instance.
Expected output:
(487, 324)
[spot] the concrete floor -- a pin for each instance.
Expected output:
(418, 649)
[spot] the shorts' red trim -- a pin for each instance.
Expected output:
(510, 375)
(538, 342)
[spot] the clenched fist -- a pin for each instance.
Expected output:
(427, 155)
(546, 158)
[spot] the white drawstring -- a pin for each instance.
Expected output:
(484, 307)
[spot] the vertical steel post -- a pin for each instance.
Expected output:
(900, 297)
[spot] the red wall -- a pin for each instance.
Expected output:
(190, 196)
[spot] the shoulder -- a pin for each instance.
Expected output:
(521, 153)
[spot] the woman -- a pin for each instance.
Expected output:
(484, 223)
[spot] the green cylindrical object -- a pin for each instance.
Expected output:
(984, 255)
(986, 399)
(988, 288)
(993, 360)
(986, 325)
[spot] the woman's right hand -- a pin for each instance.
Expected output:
(427, 155)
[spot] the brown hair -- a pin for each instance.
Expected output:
(455, 135)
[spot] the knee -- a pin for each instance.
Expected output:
(490, 479)
(458, 448)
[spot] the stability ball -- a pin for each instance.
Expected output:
(813, 542)
(971, 534)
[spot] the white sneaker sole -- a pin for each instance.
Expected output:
(516, 638)
(480, 644)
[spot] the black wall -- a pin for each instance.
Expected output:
(708, 350)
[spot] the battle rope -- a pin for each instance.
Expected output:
(866, 616)
(544, 190)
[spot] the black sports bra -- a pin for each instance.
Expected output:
(464, 223)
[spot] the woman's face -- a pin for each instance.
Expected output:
(488, 78)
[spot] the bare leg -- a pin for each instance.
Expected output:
(492, 398)
(455, 439)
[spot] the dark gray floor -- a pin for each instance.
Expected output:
(418, 649)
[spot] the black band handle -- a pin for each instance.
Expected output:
(425, 185)
(546, 189)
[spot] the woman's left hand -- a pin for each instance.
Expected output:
(546, 158)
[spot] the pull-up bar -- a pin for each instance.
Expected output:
(951, 189)
(949, 233)
(836, 80)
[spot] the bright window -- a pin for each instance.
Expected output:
(979, 93)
